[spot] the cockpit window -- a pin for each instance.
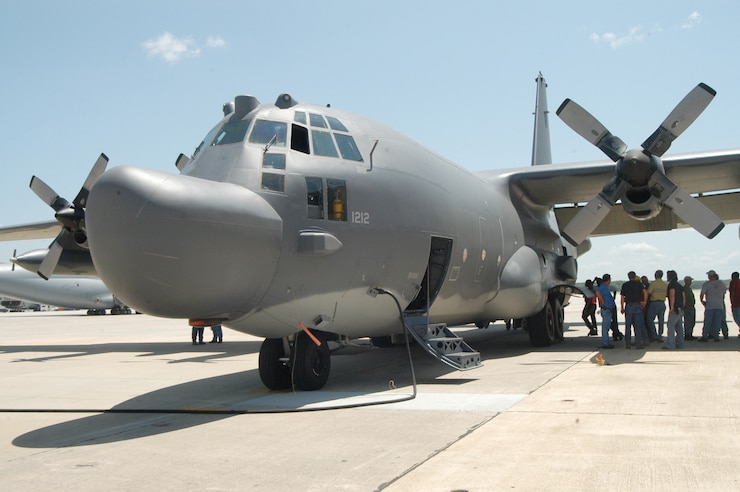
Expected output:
(348, 147)
(323, 144)
(300, 117)
(335, 124)
(231, 132)
(317, 120)
(269, 133)
(206, 140)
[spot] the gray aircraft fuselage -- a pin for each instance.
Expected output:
(279, 218)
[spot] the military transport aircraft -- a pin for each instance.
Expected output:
(68, 291)
(289, 219)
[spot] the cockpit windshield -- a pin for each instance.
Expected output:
(272, 133)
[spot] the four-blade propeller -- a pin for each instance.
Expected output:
(640, 168)
(70, 215)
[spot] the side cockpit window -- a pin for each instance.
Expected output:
(231, 132)
(299, 139)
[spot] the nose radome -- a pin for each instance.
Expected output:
(181, 247)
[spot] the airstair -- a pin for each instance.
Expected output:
(441, 342)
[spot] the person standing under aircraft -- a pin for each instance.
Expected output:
(218, 336)
(735, 298)
(197, 334)
(656, 307)
(589, 310)
(676, 302)
(712, 296)
(606, 302)
(689, 310)
(633, 300)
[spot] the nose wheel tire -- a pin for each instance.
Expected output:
(311, 363)
(274, 373)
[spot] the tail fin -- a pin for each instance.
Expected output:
(541, 143)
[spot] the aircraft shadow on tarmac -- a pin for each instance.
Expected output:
(358, 370)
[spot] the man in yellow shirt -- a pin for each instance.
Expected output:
(657, 292)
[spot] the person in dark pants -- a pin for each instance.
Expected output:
(218, 336)
(589, 311)
(606, 302)
(197, 334)
(689, 310)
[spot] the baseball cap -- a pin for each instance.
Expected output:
(688, 278)
(712, 273)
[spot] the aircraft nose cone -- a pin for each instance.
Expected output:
(181, 247)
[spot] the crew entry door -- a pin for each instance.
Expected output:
(440, 250)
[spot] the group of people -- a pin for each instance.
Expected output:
(643, 303)
(197, 334)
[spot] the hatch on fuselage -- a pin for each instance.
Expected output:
(440, 251)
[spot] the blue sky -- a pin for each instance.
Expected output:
(144, 81)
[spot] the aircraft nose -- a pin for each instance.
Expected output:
(181, 247)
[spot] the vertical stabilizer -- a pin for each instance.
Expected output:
(541, 142)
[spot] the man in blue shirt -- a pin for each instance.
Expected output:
(606, 302)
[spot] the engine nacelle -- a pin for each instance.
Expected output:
(640, 204)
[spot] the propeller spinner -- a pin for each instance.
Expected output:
(71, 215)
(640, 168)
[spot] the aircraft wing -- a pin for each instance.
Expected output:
(568, 186)
(35, 230)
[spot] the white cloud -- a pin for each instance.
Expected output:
(170, 48)
(637, 248)
(692, 20)
(634, 35)
(215, 42)
(173, 49)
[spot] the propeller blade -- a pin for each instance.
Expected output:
(12, 260)
(48, 195)
(47, 267)
(97, 170)
(683, 115)
(685, 206)
(590, 216)
(584, 124)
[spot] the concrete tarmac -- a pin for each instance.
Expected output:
(127, 402)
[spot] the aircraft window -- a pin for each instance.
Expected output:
(269, 133)
(299, 139)
(206, 140)
(337, 198)
(231, 132)
(315, 198)
(323, 144)
(317, 120)
(273, 182)
(300, 117)
(273, 161)
(335, 124)
(348, 147)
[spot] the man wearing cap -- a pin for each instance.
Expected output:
(713, 298)
(689, 310)
(634, 298)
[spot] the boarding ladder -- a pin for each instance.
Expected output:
(441, 342)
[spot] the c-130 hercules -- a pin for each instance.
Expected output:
(290, 218)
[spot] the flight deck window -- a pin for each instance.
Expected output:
(273, 161)
(269, 133)
(336, 194)
(231, 132)
(315, 198)
(317, 120)
(299, 139)
(300, 117)
(323, 144)
(273, 182)
(348, 147)
(335, 124)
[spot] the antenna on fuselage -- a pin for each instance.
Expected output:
(541, 142)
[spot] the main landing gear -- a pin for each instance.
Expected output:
(546, 327)
(298, 363)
